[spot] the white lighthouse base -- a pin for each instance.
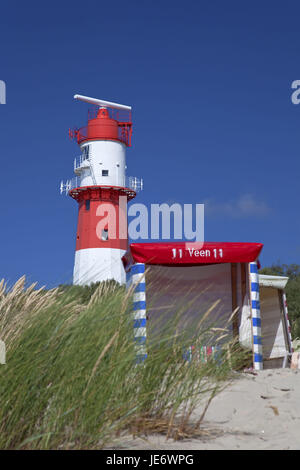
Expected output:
(98, 264)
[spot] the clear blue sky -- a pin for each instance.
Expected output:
(210, 86)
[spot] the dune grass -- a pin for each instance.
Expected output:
(71, 381)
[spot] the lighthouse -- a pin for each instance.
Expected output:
(102, 191)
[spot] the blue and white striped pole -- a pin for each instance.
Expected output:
(256, 319)
(137, 281)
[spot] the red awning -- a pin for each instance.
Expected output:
(191, 254)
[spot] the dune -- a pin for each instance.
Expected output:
(259, 411)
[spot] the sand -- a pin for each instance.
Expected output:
(255, 412)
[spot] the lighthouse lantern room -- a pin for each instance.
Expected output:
(102, 191)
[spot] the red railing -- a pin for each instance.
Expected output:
(119, 115)
(124, 134)
(123, 119)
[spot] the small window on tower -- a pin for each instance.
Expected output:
(104, 172)
(87, 205)
(85, 152)
(105, 234)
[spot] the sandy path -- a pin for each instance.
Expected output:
(254, 412)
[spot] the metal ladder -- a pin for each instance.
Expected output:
(92, 170)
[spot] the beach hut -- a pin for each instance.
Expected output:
(209, 280)
(275, 326)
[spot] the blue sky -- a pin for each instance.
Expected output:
(210, 87)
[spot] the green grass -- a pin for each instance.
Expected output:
(71, 381)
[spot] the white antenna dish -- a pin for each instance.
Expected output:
(102, 103)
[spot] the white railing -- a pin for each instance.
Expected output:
(69, 184)
(81, 162)
(134, 183)
(131, 182)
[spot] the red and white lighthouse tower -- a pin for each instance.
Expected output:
(102, 191)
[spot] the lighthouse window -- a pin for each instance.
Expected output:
(87, 205)
(105, 234)
(104, 172)
(85, 152)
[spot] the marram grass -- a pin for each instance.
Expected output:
(71, 382)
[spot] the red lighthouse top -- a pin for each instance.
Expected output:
(105, 124)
